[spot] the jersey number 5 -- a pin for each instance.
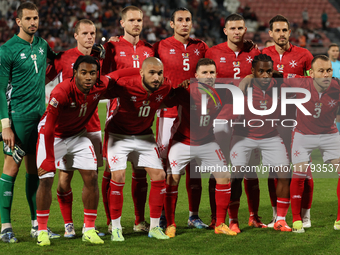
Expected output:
(186, 66)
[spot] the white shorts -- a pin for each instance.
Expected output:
(286, 135)
(141, 149)
(206, 156)
(76, 152)
(164, 133)
(303, 145)
(272, 149)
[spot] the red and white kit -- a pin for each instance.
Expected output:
(120, 55)
(263, 136)
(62, 127)
(179, 62)
(317, 130)
(62, 67)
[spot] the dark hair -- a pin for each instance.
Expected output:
(130, 8)
(278, 18)
(87, 59)
(233, 17)
(176, 10)
(322, 57)
(333, 45)
(261, 58)
(82, 21)
(268, 41)
(28, 6)
(205, 62)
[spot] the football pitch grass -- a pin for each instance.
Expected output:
(320, 239)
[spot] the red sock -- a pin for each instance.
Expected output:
(338, 194)
(282, 206)
(233, 209)
(105, 188)
(156, 198)
(90, 217)
(251, 186)
(116, 199)
(272, 182)
(212, 200)
(170, 204)
(139, 190)
(42, 218)
(296, 190)
(194, 190)
(222, 196)
(307, 196)
(65, 204)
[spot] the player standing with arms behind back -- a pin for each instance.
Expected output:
(180, 55)
(288, 59)
(128, 52)
(23, 66)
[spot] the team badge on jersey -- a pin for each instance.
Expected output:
(332, 103)
(146, 102)
(236, 63)
(249, 59)
(318, 105)
(159, 98)
(197, 52)
(135, 57)
(293, 64)
(280, 67)
(185, 55)
(41, 51)
(54, 102)
(145, 54)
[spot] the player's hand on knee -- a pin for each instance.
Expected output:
(46, 167)
(8, 137)
(18, 154)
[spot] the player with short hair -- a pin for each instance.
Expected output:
(194, 140)
(315, 131)
(268, 43)
(130, 134)
(62, 136)
(294, 60)
(22, 103)
(62, 66)
(127, 52)
(179, 54)
(233, 60)
(263, 136)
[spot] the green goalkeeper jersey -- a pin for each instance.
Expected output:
(22, 78)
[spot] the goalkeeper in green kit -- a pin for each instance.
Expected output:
(22, 103)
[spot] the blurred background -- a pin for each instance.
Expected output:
(314, 23)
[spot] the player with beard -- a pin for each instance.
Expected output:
(288, 59)
(234, 60)
(127, 51)
(22, 80)
(130, 134)
(180, 55)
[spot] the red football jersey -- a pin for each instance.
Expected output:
(231, 65)
(63, 66)
(322, 106)
(179, 62)
(195, 128)
(72, 108)
(123, 54)
(137, 107)
(295, 60)
(261, 100)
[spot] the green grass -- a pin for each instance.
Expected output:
(320, 239)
